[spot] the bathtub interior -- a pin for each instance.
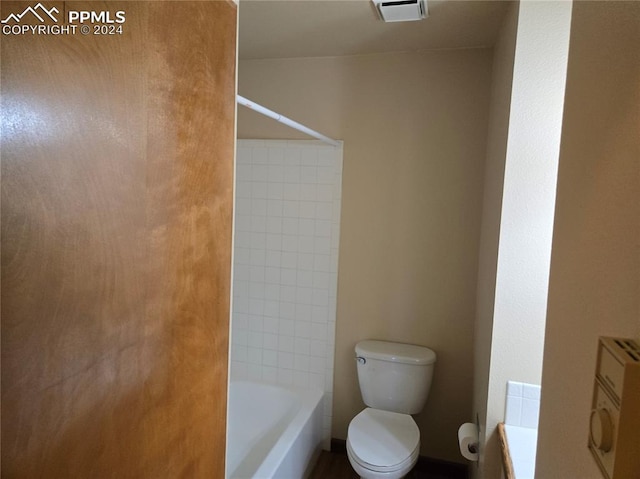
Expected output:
(272, 431)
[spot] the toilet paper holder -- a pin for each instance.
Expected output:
(469, 441)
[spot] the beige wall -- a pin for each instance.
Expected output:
(595, 265)
(414, 129)
(517, 228)
(503, 56)
(528, 201)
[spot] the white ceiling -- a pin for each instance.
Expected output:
(316, 28)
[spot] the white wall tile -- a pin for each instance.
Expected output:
(323, 228)
(305, 278)
(322, 262)
(319, 314)
(522, 404)
(320, 297)
(290, 226)
(275, 156)
(288, 294)
(309, 174)
(290, 243)
(270, 374)
(291, 208)
(303, 312)
(288, 277)
(285, 343)
(255, 322)
(302, 346)
(272, 325)
(305, 244)
(305, 261)
(292, 156)
(243, 222)
(244, 156)
(307, 209)
(272, 291)
(285, 377)
(254, 355)
(319, 331)
(326, 174)
(273, 257)
(514, 388)
(271, 309)
(243, 189)
(275, 191)
(258, 239)
(531, 391)
(254, 373)
(308, 192)
(259, 173)
(530, 410)
(274, 224)
(291, 174)
(288, 310)
(318, 348)
(316, 365)
(259, 191)
(256, 291)
(300, 378)
(285, 360)
(309, 156)
(272, 275)
(303, 295)
(240, 338)
(259, 155)
(306, 227)
(275, 173)
(302, 329)
(238, 370)
(301, 363)
(291, 191)
(255, 339)
(324, 193)
(285, 263)
(513, 410)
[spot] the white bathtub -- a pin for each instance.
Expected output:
(272, 432)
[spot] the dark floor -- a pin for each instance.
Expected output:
(335, 465)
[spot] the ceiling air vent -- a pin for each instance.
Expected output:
(401, 10)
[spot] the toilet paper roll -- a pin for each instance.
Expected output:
(468, 441)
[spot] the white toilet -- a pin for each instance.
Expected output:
(383, 441)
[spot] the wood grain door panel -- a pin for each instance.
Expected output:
(117, 184)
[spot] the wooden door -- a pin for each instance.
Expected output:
(117, 178)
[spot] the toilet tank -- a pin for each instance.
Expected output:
(394, 376)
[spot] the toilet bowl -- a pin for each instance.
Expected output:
(382, 444)
(383, 440)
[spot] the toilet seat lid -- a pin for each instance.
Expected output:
(383, 438)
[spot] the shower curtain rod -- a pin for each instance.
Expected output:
(283, 119)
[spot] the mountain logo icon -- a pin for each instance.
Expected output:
(39, 11)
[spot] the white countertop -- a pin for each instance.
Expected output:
(522, 443)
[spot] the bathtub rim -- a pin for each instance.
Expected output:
(311, 399)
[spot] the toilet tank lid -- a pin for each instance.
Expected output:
(395, 352)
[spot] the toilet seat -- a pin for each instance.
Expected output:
(383, 441)
(405, 466)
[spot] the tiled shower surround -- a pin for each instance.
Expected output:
(522, 407)
(287, 219)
